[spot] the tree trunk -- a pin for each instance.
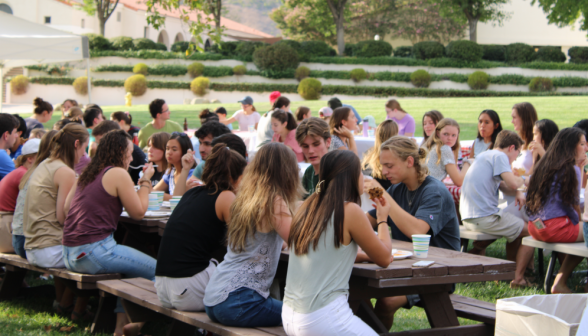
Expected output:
(102, 21)
(473, 23)
(338, 12)
(340, 36)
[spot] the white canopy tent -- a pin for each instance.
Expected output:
(26, 43)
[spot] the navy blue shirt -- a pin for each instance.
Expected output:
(432, 203)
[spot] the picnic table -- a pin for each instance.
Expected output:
(433, 283)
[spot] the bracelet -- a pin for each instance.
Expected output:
(144, 180)
(385, 222)
(146, 186)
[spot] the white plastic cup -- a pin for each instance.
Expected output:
(173, 202)
(251, 128)
(159, 196)
(153, 202)
(420, 244)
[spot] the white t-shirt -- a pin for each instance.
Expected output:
(479, 192)
(480, 146)
(525, 160)
(246, 120)
(438, 171)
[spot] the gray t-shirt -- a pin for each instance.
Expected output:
(336, 143)
(479, 193)
(264, 129)
(480, 146)
(438, 170)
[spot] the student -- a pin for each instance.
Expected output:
(124, 119)
(238, 292)
(544, 132)
(443, 147)
(264, 129)
(583, 125)
(44, 212)
(371, 160)
(479, 198)
(406, 124)
(284, 128)
(324, 239)
(8, 136)
(184, 264)
(41, 114)
(73, 112)
(314, 138)
(66, 106)
(326, 113)
(302, 113)
(207, 115)
(274, 96)
(139, 157)
(488, 128)
(430, 121)
(419, 204)
(205, 134)
(524, 118)
(9, 192)
(22, 129)
(342, 125)
(336, 103)
(221, 112)
(18, 238)
(246, 116)
(94, 205)
(156, 155)
(92, 117)
(160, 113)
(180, 166)
(553, 198)
(37, 133)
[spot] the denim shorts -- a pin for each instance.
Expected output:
(585, 233)
(245, 308)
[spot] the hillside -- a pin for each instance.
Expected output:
(253, 13)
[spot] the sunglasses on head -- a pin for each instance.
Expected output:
(179, 134)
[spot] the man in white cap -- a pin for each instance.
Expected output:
(246, 116)
(9, 192)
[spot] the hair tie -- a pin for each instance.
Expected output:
(127, 112)
(318, 186)
(228, 148)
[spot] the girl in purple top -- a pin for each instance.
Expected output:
(406, 124)
(553, 198)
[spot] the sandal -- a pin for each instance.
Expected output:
(59, 309)
(85, 316)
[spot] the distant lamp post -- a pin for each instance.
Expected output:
(377, 37)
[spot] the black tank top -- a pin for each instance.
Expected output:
(191, 235)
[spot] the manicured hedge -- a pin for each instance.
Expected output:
(464, 50)
(372, 49)
(428, 50)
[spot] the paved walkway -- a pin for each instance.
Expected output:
(17, 108)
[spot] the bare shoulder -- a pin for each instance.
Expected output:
(226, 196)
(116, 172)
(64, 173)
(353, 211)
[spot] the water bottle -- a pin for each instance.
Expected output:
(366, 126)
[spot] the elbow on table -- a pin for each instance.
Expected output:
(384, 261)
(137, 215)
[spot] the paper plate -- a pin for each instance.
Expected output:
(401, 254)
(165, 204)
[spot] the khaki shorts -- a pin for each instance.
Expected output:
(6, 232)
(500, 224)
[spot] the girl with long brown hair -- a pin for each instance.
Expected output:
(343, 124)
(94, 205)
(181, 166)
(553, 197)
(238, 292)
(284, 127)
(430, 121)
(324, 239)
(488, 128)
(406, 123)
(156, 155)
(524, 117)
(444, 147)
(371, 159)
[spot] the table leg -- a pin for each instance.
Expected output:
(439, 309)
(541, 262)
(549, 274)
(365, 311)
(105, 319)
(464, 245)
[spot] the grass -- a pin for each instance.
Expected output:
(565, 111)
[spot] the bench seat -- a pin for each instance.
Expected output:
(473, 235)
(473, 309)
(140, 301)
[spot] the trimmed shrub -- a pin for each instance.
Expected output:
(291, 43)
(551, 54)
(19, 85)
(81, 85)
(578, 54)
(239, 70)
(168, 70)
(122, 43)
(160, 46)
(349, 49)
(195, 69)
(541, 84)
(420, 79)
(246, 48)
(180, 46)
(98, 42)
(310, 89)
(519, 53)
(301, 73)
(428, 50)
(200, 85)
(136, 85)
(144, 44)
(405, 51)
(219, 71)
(494, 52)
(317, 49)
(478, 80)
(464, 50)
(372, 49)
(225, 48)
(277, 57)
(141, 69)
(357, 75)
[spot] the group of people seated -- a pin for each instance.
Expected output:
(57, 213)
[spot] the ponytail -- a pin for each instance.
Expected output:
(41, 106)
(223, 166)
(122, 116)
(43, 153)
(404, 148)
(283, 116)
(63, 143)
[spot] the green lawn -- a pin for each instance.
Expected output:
(565, 111)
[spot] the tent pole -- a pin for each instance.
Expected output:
(89, 81)
(1, 86)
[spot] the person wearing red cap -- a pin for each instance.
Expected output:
(273, 96)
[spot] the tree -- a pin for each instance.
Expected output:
(476, 11)
(308, 20)
(101, 8)
(203, 10)
(337, 8)
(369, 18)
(565, 12)
(421, 20)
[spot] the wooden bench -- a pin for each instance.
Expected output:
(577, 249)
(141, 304)
(467, 235)
(473, 309)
